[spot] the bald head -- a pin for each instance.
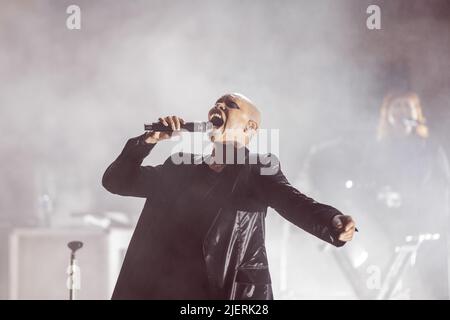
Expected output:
(241, 118)
(248, 107)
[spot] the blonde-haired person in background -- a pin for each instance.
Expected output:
(401, 114)
(397, 178)
(409, 180)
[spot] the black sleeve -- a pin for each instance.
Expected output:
(304, 212)
(126, 177)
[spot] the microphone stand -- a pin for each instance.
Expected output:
(72, 284)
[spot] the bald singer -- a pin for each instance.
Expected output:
(201, 233)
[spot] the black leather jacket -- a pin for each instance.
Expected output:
(234, 247)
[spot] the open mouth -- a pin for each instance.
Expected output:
(216, 119)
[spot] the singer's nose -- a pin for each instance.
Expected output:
(221, 106)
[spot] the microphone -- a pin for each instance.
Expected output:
(410, 122)
(188, 126)
(75, 245)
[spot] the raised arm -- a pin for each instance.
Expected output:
(126, 177)
(306, 213)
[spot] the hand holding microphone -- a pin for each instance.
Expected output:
(171, 123)
(165, 128)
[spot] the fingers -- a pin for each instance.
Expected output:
(347, 236)
(348, 233)
(344, 222)
(173, 122)
(176, 121)
(163, 121)
(349, 225)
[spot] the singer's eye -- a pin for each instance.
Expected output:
(232, 105)
(228, 102)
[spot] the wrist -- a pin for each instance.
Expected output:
(148, 139)
(145, 140)
(336, 223)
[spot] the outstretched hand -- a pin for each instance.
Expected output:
(345, 226)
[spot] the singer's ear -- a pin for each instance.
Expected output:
(251, 125)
